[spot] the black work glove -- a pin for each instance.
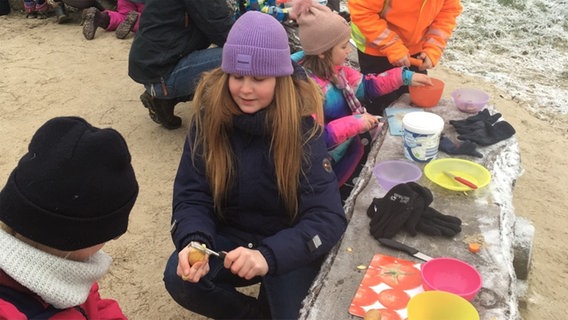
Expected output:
(466, 147)
(435, 223)
(389, 214)
(490, 134)
(472, 126)
(423, 200)
(482, 115)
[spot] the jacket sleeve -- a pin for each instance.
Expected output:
(339, 130)
(193, 215)
(376, 85)
(367, 23)
(213, 17)
(321, 221)
(441, 29)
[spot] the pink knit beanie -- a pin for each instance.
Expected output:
(257, 45)
(320, 29)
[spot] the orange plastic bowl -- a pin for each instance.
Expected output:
(427, 96)
(451, 275)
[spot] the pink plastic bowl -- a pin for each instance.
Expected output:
(389, 173)
(451, 275)
(470, 100)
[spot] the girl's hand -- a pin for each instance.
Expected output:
(246, 263)
(191, 273)
(370, 122)
(419, 79)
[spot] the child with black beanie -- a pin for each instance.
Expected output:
(69, 194)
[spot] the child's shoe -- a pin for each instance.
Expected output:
(126, 26)
(94, 19)
(61, 13)
(42, 10)
(31, 12)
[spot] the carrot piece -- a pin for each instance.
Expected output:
(474, 247)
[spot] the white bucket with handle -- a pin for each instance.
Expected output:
(422, 132)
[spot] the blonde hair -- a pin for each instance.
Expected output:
(212, 119)
(321, 67)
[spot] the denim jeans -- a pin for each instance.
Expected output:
(183, 79)
(215, 296)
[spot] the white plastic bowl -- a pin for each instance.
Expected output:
(389, 173)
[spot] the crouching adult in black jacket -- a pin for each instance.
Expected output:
(172, 47)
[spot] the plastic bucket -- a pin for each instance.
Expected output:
(422, 132)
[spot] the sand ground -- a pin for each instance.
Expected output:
(50, 70)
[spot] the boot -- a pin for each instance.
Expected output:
(94, 19)
(161, 111)
(61, 13)
(126, 26)
(42, 10)
(30, 10)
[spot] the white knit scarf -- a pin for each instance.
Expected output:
(60, 282)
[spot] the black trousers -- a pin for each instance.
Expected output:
(375, 64)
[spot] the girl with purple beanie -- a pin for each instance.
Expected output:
(254, 182)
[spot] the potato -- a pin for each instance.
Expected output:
(372, 314)
(195, 255)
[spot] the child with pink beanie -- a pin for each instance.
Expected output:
(324, 36)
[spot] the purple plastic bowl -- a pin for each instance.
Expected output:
(451, 275)
(389, 173)
(470, 100)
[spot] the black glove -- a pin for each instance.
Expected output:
(463, 129)
(435, 223)
(482, 115)
(423, 200)
(490, 134)
(465, 147)
(389, 214)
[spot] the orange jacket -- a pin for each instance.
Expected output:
(398, 28)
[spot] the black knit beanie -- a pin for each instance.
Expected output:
(74, 188)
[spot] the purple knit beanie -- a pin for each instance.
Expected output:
(257, 45)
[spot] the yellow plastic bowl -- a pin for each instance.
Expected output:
(468, 170)
(440, 305)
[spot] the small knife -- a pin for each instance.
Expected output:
(199, 247)
(461, 180)
(393, 244)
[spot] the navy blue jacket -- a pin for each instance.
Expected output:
(254, 214)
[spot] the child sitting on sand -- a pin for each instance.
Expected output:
(123, 20)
